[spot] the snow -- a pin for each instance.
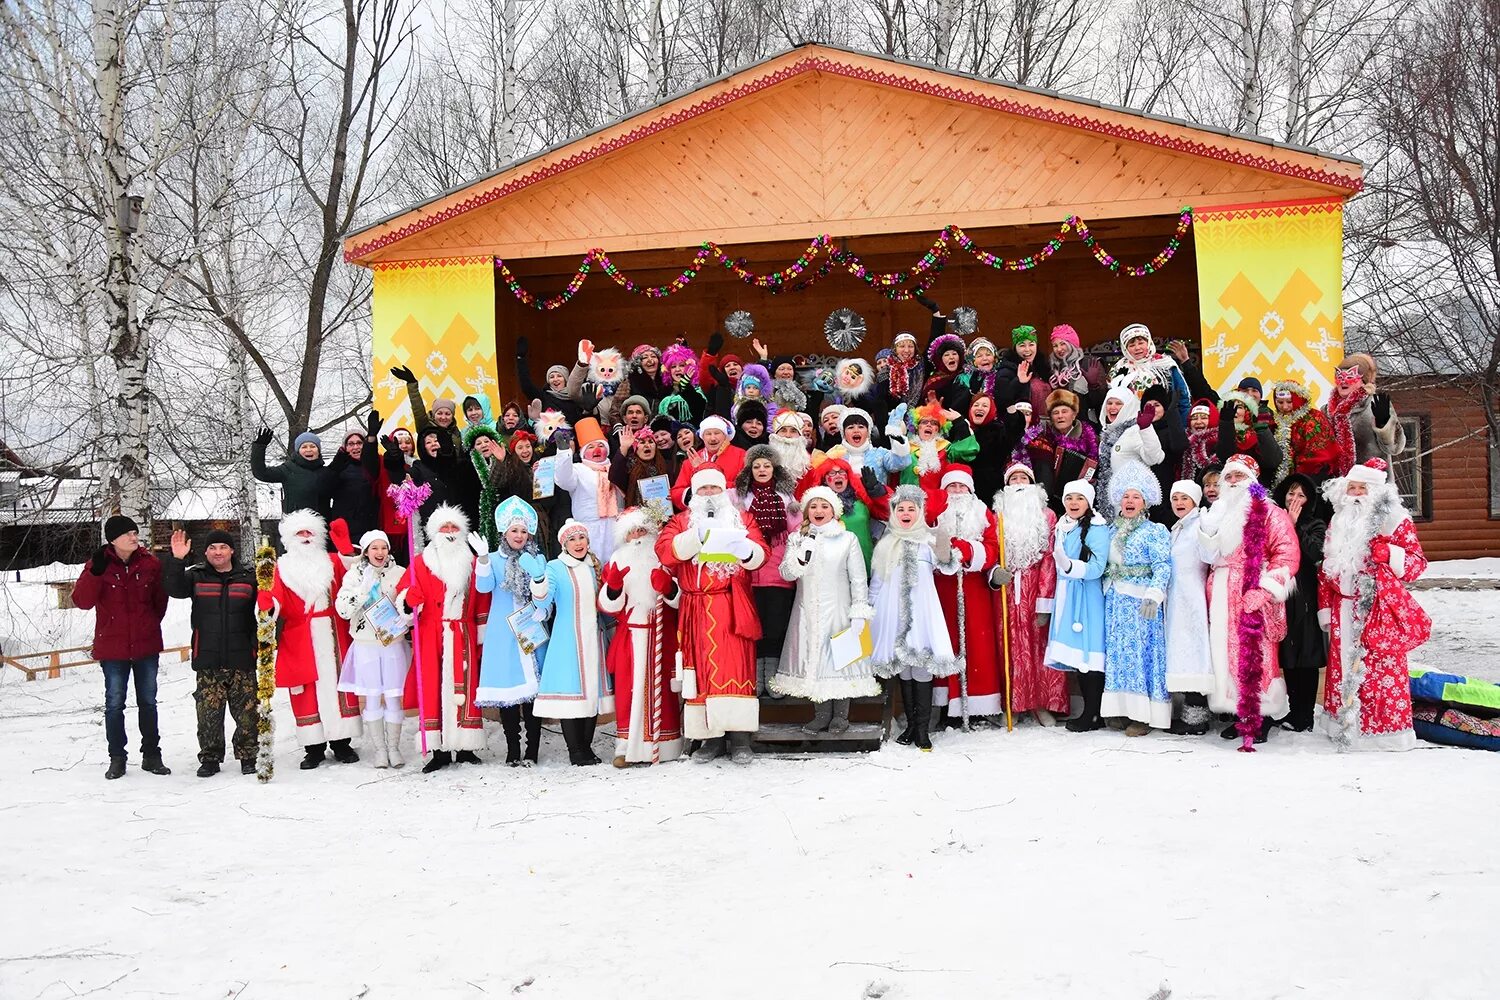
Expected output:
(1486, 568)
(31, 621)
(1032, 864)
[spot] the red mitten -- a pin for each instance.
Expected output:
(661, 581)
(964, 549)
(613, 577)
(263, 602)
(1380, 551)
(338, 534)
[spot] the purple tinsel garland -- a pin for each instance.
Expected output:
(1252, 624)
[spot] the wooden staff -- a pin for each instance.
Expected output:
(1004, 623)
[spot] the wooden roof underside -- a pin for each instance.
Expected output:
(821, 140)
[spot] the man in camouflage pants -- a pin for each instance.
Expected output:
(223, 615)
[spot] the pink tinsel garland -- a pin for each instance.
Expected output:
(1252, 624)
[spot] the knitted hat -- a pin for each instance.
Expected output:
(854, 415)
(373, 535)
(443, 404)
(221, 537)
(981, 344)
(906, 335)
(1250, 384)
(1064, 334)
(1024, 333)
(1018, 467)
(1135, 331)
(1082, 487)
(641, 401)
(661, 422)
(1202, 406)
(307, 437)
(725, 359)
(571, 529)
(715, 422)
(560, 369)
(118, 525)
(1189, 489)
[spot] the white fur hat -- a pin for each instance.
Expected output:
(302, 520)
(715, 422)
(1083, 488)
(1188, 488)
(447, 514)
(824, 493)
(374, 535)
(632, 518)
(1372, 473)
(957, 474)
(708, 475)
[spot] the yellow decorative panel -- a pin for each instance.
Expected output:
(436, 317)
(1270, 292)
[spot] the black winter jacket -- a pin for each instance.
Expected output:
(352, 489)
(305, 484)
(223, 612)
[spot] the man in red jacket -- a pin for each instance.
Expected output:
(122, 584)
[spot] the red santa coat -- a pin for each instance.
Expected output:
(1033, 685)
(716, 631)
(979, 630)
(447, 657)
(308, 654)
(1395, 626)
(1228, 595)
(640, 659)
(729, 460)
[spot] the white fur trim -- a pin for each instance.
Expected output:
(720, 714)
(301, 520)
(824, 688)
(1367, 475)
(716, 422)
(1279, 584)
(1402, 739)
(447, 514)
(1044, 605)
(957, 476)
(686, 544)
(1398, 560)
(1082, 488)
(825, 494)
(1137, 708)
(1325, 616)
(1074, 659)
(1188, 488)
(708, 475)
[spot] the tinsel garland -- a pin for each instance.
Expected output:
(265, 668)
(1252, 624)
(924, 271)
(1346, 720)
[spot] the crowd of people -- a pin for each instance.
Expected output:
(669, 536)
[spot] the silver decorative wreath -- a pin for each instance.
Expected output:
(966, 321)
(845, 329)
(739, 324)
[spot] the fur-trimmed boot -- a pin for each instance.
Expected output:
(393, 744)
(379, 755)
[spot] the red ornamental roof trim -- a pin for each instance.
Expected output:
(825, 65)
(409, 265)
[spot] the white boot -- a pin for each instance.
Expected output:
(377, 744)
(393, 738)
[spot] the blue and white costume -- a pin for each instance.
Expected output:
(507, 673)
(1075, 640)
(574, 683)
(1140, 567)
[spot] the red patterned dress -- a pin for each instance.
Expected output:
(1033, 685)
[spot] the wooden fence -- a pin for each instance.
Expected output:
(52, 663)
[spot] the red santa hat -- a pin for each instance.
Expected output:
(957, 474)
(708, 475)
(1246, 464)
(1202, 406)
(1375, 472)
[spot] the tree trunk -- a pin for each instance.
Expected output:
(943, 31)
(1248, 114)
(130, 478)
(511, 26)
(1297, 70)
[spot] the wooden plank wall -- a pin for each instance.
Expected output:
(1460, 526)
(1070, 288)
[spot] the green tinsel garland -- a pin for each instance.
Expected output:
(265, 666)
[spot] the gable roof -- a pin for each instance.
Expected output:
(819, 137)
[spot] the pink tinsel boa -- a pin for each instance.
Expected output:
(1252, 624)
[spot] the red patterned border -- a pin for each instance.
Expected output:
(1225, 213)
(823, 64)
(412, 265)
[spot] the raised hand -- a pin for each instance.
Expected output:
(759, 348)
(404, 374)
(263, 438)
(1179, 350)
(534, 411)
(372, 422)
(715, 343)
(338, 533)
(533, 564)
(613, 576)
(523, 347)
(661, 581)
(585, 351)
(181, 548)
(477, 543)
(1023, 372)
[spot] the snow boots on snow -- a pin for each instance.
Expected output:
(152, 762)
(393, 744)
(511, 717)
(440, 759)
(1091, 684)
(740, 750)
(343, 752)
(116, 768)
(709, 750)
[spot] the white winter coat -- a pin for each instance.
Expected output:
(831, 591)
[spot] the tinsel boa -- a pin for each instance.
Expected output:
(1346, 720)
(1252, 624)
(265, 668)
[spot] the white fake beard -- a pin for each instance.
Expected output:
(927, 457)
(791, 455)
(450, 560)
(964, 517)
(1349, 533)
(1228, 514)
(714, 510)
(306, 569)
(1022, 510)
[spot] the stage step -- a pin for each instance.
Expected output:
(785, 737)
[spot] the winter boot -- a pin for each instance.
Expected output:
(907, 697)
(1195, 718)
(1092, 685)
(116, 768)
(208, 769)
(314, 756)
(152, 762)
(1045, 717)
(740, 750)
(590, 725)
(466, 757)
(822, 716)
(343, 752)
(772, 664)
(247, 767)
(393, 744)
(440, 759)
(710, 750)
(381, 756)
(840, 722)
(921, 714)
(761, 678)
(573, 737)
(533, 736)
(1133, 728)
(510, 721)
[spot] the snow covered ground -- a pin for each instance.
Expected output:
(1034, 864)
